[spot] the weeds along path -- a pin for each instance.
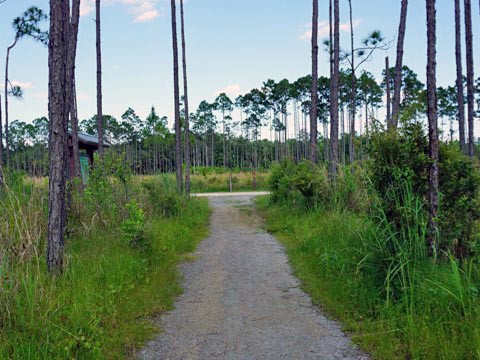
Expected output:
(242, 302)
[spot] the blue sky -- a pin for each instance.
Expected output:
(233, 46)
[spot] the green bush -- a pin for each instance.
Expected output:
(162, 197)
(459, 203)
(402, 158)
(303, 185)
(133, 226)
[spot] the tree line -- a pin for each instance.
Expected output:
(254, 129)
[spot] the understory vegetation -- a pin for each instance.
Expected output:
(125, 237)
(206, 179)
(359, 244)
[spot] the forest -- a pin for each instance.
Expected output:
(371, 184)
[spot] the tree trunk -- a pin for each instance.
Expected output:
(99, 80)
(178, 130)
(354, 91)
(470, 76)
(432, 125)
(6, 99)
(57, 111)
(314, 89)
(387, 85)
(74, 123)
(71, 90)
(333, 166)
(185, 95)
(459, 82)
(399, 65)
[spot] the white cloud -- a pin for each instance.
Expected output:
(86, 7)
(141, 10)
(324, 29)
(232, 90)
(116, 67)
(23, 85)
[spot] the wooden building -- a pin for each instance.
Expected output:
(88, 145)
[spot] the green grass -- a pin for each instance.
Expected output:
(218, 180)
(102, 306)
(394, 309)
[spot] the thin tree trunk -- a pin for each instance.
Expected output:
(74, 123)
(432, 124)
(185, 96)
(6, 99)
(57, 110)
(333, 166)
(399, 65)
(354, 91)
(459, 82)
(178, 130)
(314, 89)
(99, 80)
(387, 84)
(470, 76)
(71, 90)
(367, 126)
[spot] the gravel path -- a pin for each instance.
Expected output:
(242, 302)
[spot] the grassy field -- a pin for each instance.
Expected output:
(337, 257)
(219, 181)
(102, 305)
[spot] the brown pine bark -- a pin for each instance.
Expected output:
(399, 65)
(387, 84)
(185, 96)
(333, 166)
(314, 89)
(71, 91)
(459, 81)
(57, 111)
(176, 90)
(99, 78)
(470, 76)
(432, 125)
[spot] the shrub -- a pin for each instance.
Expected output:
(402, 158)
(162, 198)
(459, 204)
(304, 184)
(133, 226)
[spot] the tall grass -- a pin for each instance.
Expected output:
(372, 271)
(218, 180)
(102, 305)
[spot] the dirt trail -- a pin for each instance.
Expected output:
(242, 302)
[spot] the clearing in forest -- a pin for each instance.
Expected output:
(241, 300)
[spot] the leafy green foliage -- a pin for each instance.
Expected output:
(164, 200)
(301, 185)
(306, 185)
(460, 208)
(397, 159)
(133, 226)
(28, 25)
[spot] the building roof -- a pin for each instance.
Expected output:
(89, 139)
